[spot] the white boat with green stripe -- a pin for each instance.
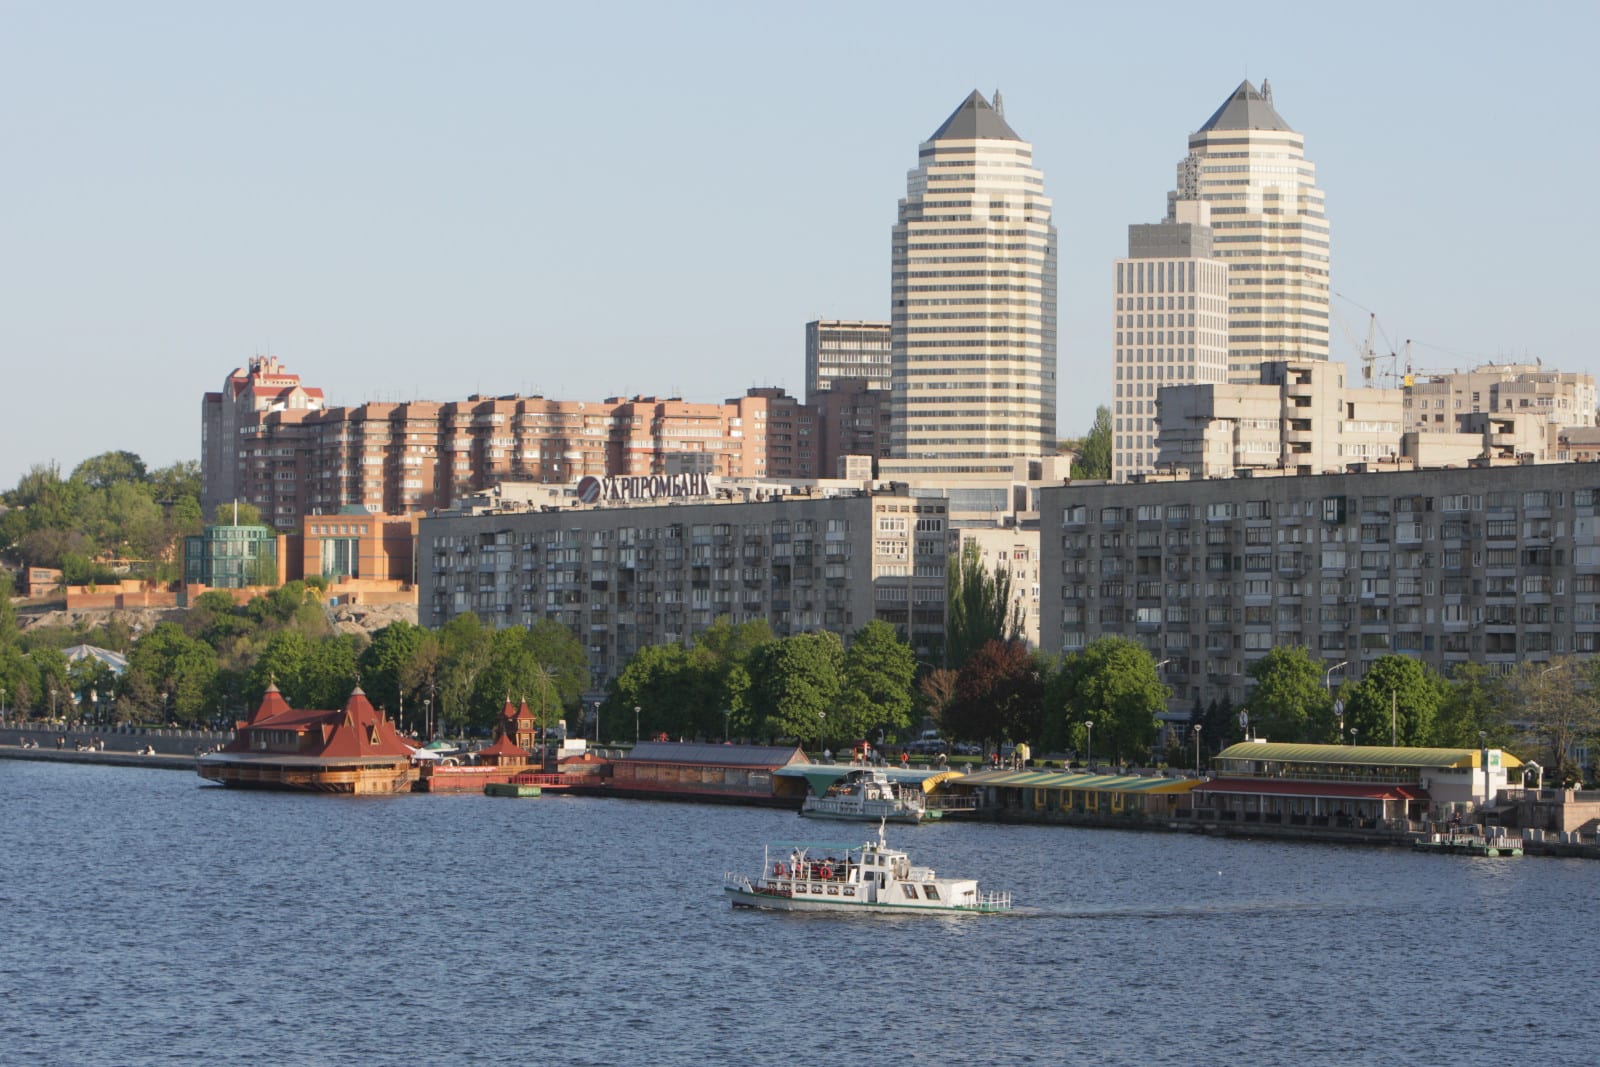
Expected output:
(856, 878)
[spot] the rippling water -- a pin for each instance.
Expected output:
(150, 919)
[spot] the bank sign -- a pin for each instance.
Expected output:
(593, 490)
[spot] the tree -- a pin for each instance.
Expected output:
(465, 651)
(659, 681)
(795, 682)
(979, 607)
(1114, 684)
(876, 685)
(1473, 703)
(938, 690)
(1288, 702)
(1397, 699)
(236, 513)
(1094, 449)
(383, 662)
(999, 694)
(110, 468)
(1557, 700)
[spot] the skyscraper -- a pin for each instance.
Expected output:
(1170, 327)
(1269, 227)
(973, 310)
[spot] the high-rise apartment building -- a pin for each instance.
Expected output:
(271, 442)
(1170, 327)
(247, 396)
(1493, 566)
(973, 308)
(1268, 225)
(1436, 399)
(841, 349)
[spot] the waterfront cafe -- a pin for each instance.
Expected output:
(1349, 786)
(1053, 795)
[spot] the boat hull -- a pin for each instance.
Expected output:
(821, 809)
(748, 897)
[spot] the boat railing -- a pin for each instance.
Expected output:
(995, 900)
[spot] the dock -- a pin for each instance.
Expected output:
(1470, 844)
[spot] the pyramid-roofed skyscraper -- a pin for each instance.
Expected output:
(1269, 227)
(973, 309)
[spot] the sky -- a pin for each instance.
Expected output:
(425, 201)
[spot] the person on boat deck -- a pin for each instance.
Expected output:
(905, 758)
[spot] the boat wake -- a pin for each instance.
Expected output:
(1262, 908)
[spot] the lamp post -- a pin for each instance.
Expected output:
(427, 719)
(822, 731)
(1197, 750)
(1327, 675)
(726, 712)
(1483, 757)
(1338, 710)
(636, 724)
(1089, 747)
(597, 723)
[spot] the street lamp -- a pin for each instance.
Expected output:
(822, 731)
(636, 724)
(1197, 750)
(1483, 757)
(1327, 675)
(597, 722)
(427, 719)
(726, 712)
(1089, 748)
(53, 703)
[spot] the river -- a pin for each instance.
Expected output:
(151, 919)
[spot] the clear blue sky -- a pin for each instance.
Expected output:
(405, 200)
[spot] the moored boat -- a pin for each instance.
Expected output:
(870, 796)
(867, 878)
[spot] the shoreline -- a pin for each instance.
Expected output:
(172, 761)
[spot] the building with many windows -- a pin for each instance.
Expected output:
(973, 303)
(1437, 400)
(1268, 225)
(839, 350)
(271, 442)
(1495, 565)
(1170, 328)
(623, 577)
(1299, 418)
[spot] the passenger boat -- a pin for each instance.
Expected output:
(868, 878)
(870, 796)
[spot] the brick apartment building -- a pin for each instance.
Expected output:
(268, 440)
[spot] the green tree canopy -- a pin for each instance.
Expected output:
(1289, 702)
(795, 684)
(1114, 684)
(978, 606)
(1094, 448)
(1396, 701)
(876, 687)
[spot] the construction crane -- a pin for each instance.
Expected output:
(1367, 349)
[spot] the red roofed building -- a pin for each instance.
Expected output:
(353, 750)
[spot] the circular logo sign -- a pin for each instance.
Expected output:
(589, 489)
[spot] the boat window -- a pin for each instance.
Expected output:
(909, 890)
(931, 892)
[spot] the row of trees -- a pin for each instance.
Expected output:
(741, 681)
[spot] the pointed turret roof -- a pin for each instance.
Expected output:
(974, 120)
(1247, 109)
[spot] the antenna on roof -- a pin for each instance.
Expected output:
(1266, 91)
(999, 104)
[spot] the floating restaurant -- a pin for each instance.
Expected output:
(1362, 787)
(738, 774)
(355, 749)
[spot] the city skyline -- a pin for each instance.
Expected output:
(405, 208)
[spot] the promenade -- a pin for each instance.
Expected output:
(175, 748)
